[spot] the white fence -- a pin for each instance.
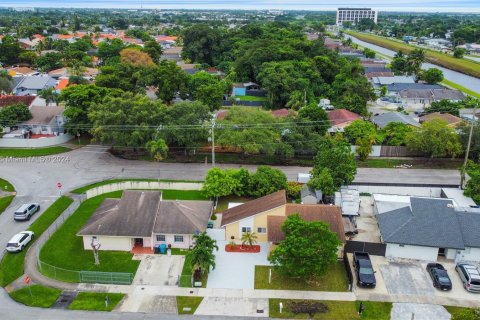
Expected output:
(376, 150)
(34, 143)
(143, 185)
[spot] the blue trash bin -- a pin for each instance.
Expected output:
(163, 248)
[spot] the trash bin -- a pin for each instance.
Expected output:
(163, 248)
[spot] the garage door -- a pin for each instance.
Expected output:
(217, 234)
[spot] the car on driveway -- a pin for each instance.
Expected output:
(470, 276)
(439, 276)
(26, 211)
(364, 270)
(20, 241)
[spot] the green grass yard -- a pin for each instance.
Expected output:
(183, 195)
(5, 202)
(465, 66)
(185, 278)
(461, 313)
(6, 186)
(11, 266)
(420, 163)
(36, 296)
(37, 152)
(336, 310)
(334, 280)
(251, 98)
(95, 301)
(65, 250)
(188, 302)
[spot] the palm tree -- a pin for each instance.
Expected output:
(201, 256)
(249, 237)
(49, 95)
(415, 60)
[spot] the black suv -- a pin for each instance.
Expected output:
(439, 276)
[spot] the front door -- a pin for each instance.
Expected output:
(138, 242)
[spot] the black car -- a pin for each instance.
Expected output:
(439, 276)
(364, 270)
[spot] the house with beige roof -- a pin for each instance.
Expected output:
(143, 219)
(265, 216)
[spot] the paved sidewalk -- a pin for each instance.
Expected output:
(408, 311)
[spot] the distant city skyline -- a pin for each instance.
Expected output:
(467, 6)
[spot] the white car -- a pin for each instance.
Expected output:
(20, 241)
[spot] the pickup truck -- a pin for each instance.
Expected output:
(364, 270)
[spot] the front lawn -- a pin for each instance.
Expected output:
(186, 276)
(188, 302)
(183, 195)
(105, 182)
(36, 296)
(65, 249)
(5, 202)
(6, 186)
(250, 98)
(37, 152)
(461, 313)
(336, 310)
(95, 301)
(11, 266)
(334, 280)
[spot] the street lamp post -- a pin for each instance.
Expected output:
(462, 176)
(212, 131)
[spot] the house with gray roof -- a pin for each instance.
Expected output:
(144, 219)
(427, 228)
(32, 85)
(382, 120)
(427, 96)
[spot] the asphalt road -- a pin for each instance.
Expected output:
(36, 179)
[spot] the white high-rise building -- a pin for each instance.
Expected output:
(355, 14)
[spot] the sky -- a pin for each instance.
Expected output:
(469, 6)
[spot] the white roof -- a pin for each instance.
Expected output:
(389, 202)
(304, 177)
(234, 204)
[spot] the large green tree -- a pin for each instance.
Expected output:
(337, 156)
(9, 50)
(308, 250)
(14, 114)
(266, 180)
(435, 139)
(126, 121)
(360, 129)
(201, 44)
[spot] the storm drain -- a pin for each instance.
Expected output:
(64, 300)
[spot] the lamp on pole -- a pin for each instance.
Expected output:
(212, 132)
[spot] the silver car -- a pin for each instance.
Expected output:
(26, 211)
(470, 276)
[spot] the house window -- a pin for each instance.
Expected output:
(262, 230)
(246, 229)
(401, 245)
(160, 237)
(178, 238)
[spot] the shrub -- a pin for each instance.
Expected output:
(213, 217)
(293, 189)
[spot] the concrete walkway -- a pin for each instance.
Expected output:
(408, 311)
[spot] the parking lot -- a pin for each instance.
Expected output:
(410, 278)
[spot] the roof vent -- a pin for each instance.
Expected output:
(449, 205)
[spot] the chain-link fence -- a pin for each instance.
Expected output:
(74, 275)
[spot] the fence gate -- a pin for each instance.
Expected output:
(106, 277)
(374, 249)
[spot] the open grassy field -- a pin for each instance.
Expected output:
(188, 302)
(65, 250)
(6, 186)
(95, 301)
(334, 280)
(465, 66)
(336, 310)
(251, 98)
(37, 152)
(36, 296)
(11, 266)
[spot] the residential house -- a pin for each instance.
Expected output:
(379, 82)
(27, 44)
(46, 120)
(382, 120)
(240, 89)
(427, 96)
(144, 219)
(265, 215)
(467, 113)
(450, 119)
(397, 87)
(87, 73)
(32, 85)
(427, 228)
(173, 54)
(8, 100)
(21, 71)
(340, 119)
(385, 74)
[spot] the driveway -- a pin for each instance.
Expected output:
(406, 278)
(409, 311)
(236, 270)
(159, 270)
(229, 306)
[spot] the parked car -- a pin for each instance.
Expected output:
(439, 276)
(364, 270)
(26, 211)
(470, 276)
(20, 241)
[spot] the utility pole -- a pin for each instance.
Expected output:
(212, 131)
(462, 176)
